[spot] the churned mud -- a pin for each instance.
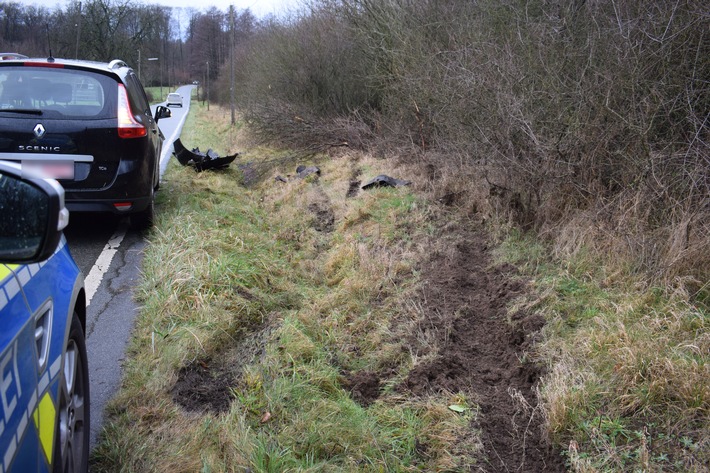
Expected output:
(465, 299)
(472, 342)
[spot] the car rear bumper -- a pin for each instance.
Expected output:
(115, 206)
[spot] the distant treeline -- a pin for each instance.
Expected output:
(162, 43)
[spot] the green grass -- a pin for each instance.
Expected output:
(239, 277)
(628, 387)
(241, 274)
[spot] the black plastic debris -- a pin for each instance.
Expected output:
(304, 171)
(385, 181)
(199, 160)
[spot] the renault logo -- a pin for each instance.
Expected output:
(39, 130)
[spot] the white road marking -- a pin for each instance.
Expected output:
(103, 262)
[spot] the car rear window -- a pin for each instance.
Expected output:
(56, 91)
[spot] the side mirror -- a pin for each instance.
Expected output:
(162, 112)
(32, 213)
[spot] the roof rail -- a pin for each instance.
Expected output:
(117, 63)
(7, 56)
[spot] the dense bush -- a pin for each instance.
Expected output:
(564, 109)
(296, 79)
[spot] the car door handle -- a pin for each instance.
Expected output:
(43, 329)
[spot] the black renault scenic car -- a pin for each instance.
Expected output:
(87, 124)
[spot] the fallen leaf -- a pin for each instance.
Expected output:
(457, 408)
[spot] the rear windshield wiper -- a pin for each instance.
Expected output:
(25, 111)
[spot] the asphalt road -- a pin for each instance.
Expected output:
(109, 253)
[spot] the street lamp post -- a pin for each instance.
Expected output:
(78, 33)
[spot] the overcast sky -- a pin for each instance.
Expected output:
(260, 8)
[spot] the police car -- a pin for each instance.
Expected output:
(44, 379)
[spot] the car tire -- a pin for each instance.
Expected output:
(71, 451)
(143, 220)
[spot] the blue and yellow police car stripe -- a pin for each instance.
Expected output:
(42, 413)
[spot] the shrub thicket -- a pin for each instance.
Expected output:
(588, 121)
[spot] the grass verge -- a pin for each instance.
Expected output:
(280, 294)
(271, 308)
(628, 386)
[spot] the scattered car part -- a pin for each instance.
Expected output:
(199, 160)
(304, 171)
(385, 181)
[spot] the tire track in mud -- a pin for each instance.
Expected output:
(465, 299)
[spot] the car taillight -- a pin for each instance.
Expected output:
(128, 126)
(123, 206)
(53, 65)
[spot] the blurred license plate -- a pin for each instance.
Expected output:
(50, 169)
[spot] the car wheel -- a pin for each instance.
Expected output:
(143, 220)
(71, 452)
